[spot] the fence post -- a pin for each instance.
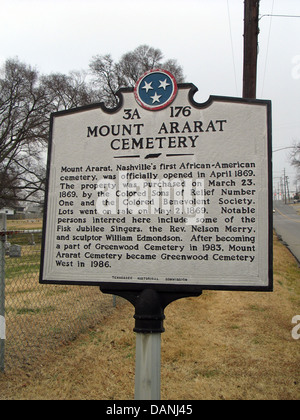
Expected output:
(2, 290)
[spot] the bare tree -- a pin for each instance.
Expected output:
(67, 91)
(109, 76)
(9, 190)
(295, 158)
(134, 64)
(23, 124)
(27, 100)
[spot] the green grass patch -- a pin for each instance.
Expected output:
(33, 311)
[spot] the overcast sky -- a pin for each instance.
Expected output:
(204, 36)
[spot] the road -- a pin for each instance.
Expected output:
(286, 223)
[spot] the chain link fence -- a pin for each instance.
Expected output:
(35, 318)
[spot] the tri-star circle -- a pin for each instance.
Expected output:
(156, 89)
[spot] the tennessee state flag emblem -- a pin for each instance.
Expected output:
(156, 89)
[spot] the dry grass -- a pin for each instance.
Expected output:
(222, 345)
(297, 208)
(24, 224)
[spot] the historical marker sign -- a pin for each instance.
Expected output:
(160, 191)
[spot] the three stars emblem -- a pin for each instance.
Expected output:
(156, 89)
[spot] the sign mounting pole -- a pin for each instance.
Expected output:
(147, 366)
(149, 316)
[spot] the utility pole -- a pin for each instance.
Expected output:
(288, 189)
(251, 31)
(284, 180)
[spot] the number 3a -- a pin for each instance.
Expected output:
(131, 116)
(295, 333)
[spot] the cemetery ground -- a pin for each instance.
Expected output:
(220, 346)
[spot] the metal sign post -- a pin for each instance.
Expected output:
(149, 326)
(147, 366)
(149, 316)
